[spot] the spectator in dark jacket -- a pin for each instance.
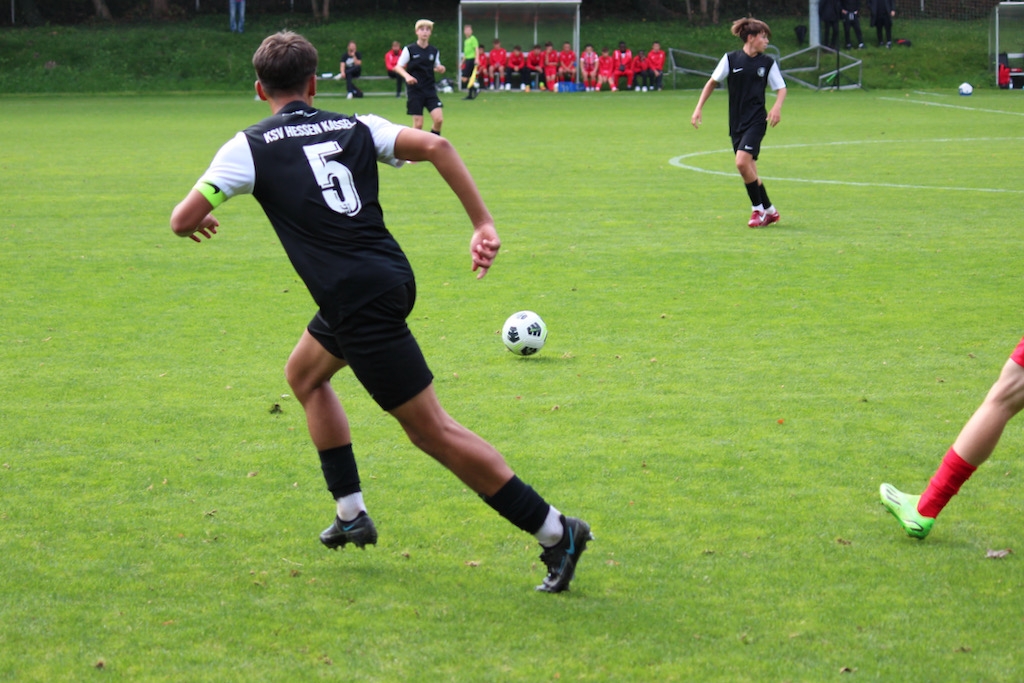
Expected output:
(882, 12)
(828, 12)
(850, 10)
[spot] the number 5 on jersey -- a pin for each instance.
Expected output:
(333, 176)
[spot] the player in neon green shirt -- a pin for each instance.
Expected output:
(469, 49)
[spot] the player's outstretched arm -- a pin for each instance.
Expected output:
(418, 145)
(192, 215)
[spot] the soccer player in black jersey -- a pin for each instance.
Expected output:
(417, 65)
(315, 175)
(748, 72)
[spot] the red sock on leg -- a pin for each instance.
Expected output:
(948, 479)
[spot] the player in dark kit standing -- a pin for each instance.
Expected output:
(417, 65)
(748, 72)
(315, 175)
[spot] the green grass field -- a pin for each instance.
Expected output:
(720, 403)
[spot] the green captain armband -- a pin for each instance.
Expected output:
(213, 194)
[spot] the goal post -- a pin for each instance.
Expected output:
(520, 22)
(1006, 36)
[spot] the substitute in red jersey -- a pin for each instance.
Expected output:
(482, 64)
(656, 64)
(606, 70)
(567, 63)
(515, 68)
(496, 66)
(623, 58)
(588, 65)
(534, 70)
(640, 72)
(390, 61)
(748, 72)
(550, 66)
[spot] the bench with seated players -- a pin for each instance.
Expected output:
(561, 70)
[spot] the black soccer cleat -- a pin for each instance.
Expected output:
(561, 558)
(360, 532)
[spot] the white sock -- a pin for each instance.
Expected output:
(350, 506)
(759, 208)
(551, 531)
(771, 209)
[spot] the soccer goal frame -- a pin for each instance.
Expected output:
(1006, 36)
(520, 22)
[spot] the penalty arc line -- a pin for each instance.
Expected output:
(678, 163)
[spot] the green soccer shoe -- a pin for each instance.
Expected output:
(903, 507)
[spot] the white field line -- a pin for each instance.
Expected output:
(926, 103)
(680, 163)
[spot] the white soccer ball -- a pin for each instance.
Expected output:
(965, 89)
(524, 333)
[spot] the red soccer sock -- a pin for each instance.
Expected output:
(948, 479)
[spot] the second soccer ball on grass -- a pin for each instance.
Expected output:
(524, 333)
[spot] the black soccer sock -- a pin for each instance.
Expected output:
(764, 197)
(340, 471)
(754, 192)
(519, 504)
(435, 132)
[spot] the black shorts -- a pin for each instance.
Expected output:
(419, 100)
(377, 344)
(749, 140)
(467, 67)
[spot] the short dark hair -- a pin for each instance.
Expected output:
(284, 62)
